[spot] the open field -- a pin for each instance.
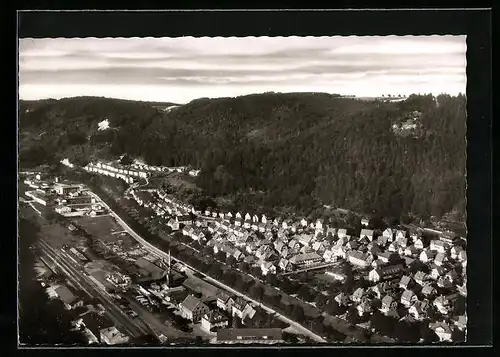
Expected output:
(58, 234)
(104, 228)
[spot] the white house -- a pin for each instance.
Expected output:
(442, 330)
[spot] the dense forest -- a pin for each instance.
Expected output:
(295, 151)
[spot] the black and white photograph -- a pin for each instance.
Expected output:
(204, 191)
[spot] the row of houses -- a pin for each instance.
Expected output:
(170, 169)
(115, 172)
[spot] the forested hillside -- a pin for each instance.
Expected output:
(295, 151)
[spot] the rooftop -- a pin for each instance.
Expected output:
(233, 334)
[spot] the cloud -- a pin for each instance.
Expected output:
(182, 69)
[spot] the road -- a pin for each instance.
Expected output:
(133, 327)
(164, 255)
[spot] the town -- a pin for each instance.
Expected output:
(206, 276)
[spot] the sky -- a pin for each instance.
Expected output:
(181, 69)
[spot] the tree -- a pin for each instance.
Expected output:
(407, 332)
(333, 308)
(256, 271)
(126, 160)
(320, 300)
(221, 256)
(305, 293)
(236, 322)
(215, 271)
(244, 267)
(352, 315)
(256, 291)
(231, 261)
(271, 279)
(230, 278)
(298, 313)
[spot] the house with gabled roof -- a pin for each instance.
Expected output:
(442, 282)
(214, 320)
(342, 299)
(343, 241)
(388, 233)
(305, 249)
(444, 304)
(452, 276)
(319, 247)
(381, 289)
(419, 310)
(393, 247)
(461, 322)
(366, 233)
(408, 297)
(455, 251)
(328, 255)
(305, 239)
(192, 308)
(428, 291)
(420, 243)
(377, 263)
(427, 256)
(362, 260)
(385, 272)
(342, 232)
(438, 246)
(319, 225)
(242, 309)
(351, 245)
(401, 234)
(405, 282)
(286, 223)
(278, 245)
(238, 255)
(294, 243)
(382, 241)
(387, 256)
(364, 242)
(330, 231)
(305, 259)
(365, 222)
(285, 252)
(442, 330)
(402, 242)
(224, 301)
(411, 251)
(364, 307)
(388, 304)
(462, 256)
(268, 268)
(358, 294)
(437, 271)
(440, 259)
(285, 265)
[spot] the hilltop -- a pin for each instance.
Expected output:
(292, 151)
